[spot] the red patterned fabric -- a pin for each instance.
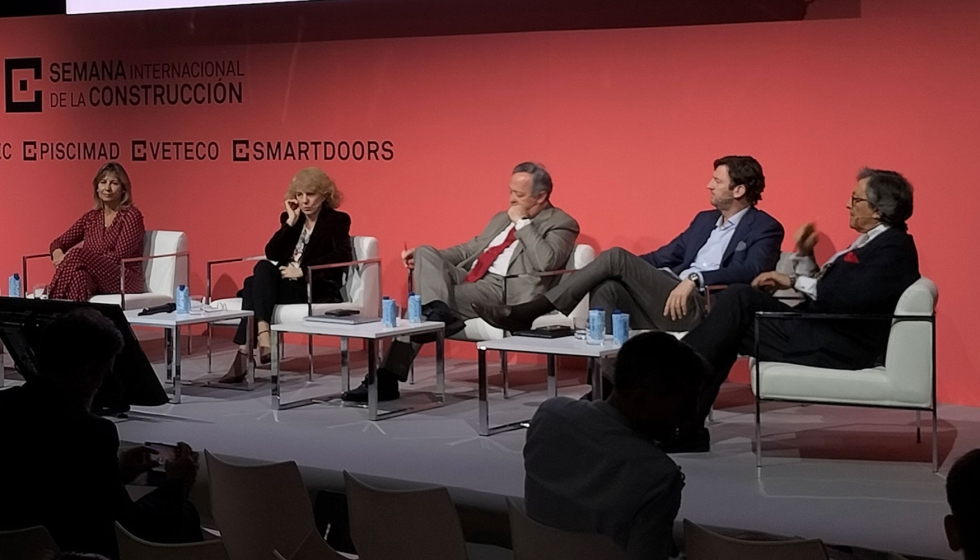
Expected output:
(485, 261)
(92, 255)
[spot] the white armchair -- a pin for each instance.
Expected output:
(165, 265)
(361, 291)
(906, 381)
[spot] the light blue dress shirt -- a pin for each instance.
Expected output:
(710, 255)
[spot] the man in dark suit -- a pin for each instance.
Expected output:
(664, 290)
(866, 278)
(61, 465)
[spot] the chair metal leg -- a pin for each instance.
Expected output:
(935, 440)
(503, 373)
(209, 347)
(758, 434)
(190, 342)
(918, 426)
(309, 350)
(411, 374)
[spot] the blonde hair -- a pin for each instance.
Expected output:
(116, 170)
(314, 179)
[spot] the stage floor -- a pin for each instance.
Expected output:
(849, 476)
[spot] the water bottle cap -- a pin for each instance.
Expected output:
(598, 309)
(617, 312)
(386, 297)
(182, 287)
(411, 294)
(16, 276)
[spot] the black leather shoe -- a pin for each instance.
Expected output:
(499, 316)
(697, 442)
(439, 311)
(387, 390)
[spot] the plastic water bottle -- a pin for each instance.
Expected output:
(597, 326)
(183, 300)
(389, 312)
(13, 285)
(620, 326)
(414, 308)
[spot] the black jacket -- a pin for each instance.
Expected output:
(329, 243)
(865, 281)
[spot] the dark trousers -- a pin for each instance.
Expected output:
(618, 279)
(265, 289)
(729, 330)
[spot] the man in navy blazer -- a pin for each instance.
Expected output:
(866, 278)
(664, 290)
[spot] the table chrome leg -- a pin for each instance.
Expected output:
(595, 370)
(372, 379)
(345, 363)
(175, 360)
(441, 364)
(250, 361)
(484, 405)
(552, 381)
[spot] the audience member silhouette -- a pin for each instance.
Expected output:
(62, 468)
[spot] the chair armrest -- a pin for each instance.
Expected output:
(211, 264)
(128, 260)
(311, 269)
(839, 316)
(24, 261)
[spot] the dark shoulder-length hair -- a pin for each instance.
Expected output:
(890, 194)
(115, 169)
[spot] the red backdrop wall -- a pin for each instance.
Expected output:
(628, 122)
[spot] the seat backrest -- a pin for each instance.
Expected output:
(33, 543)
(403, 524)
(532, 541)
(162, 276)
(909, 357)
(702, 544)
(581, 256)
(132, 547)
(313, 548)
(363, 285)
(260, 508)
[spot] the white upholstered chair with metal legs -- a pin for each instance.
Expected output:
(165, 266)
(906, 381)
(361, 291)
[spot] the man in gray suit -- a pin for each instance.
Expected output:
(530, 236)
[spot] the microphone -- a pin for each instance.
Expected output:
(165, 308)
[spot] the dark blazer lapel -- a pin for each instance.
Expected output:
(701, 237)
(741, 232)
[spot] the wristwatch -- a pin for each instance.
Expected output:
(792, 280)
(696, 278)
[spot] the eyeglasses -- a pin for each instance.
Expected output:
(855, 200)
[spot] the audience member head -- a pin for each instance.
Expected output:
(656, 383)
(312, 188)
(77, 351)
(111, 186)
(963, 495)
(530, 187)
(737, 179)
(880, 196)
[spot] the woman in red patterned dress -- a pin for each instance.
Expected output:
(87, 256)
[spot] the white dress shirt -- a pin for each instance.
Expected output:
(806, 267)
(713, 251)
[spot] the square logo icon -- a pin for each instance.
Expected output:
(21, 85)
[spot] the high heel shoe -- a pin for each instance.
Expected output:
(237, 371)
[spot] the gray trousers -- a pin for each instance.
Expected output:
(618, 279)
(436, 279)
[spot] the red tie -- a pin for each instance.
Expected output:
(483, 263)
